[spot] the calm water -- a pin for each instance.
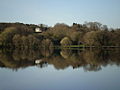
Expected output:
(87, 69)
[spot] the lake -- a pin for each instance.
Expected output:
(60, 69)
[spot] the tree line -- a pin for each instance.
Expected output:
(23, 36)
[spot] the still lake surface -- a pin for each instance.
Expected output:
(66, 69)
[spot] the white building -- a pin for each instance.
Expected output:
(38, 30)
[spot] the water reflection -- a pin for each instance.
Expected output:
(89, 59)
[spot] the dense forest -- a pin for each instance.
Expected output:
(25, 36)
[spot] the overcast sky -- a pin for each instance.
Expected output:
(63, 11)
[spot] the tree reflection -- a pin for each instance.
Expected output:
(89, 59)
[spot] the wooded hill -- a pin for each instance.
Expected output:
(19, 35)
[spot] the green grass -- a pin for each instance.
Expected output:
(83, 46)
(70, 46)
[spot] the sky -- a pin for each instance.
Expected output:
(51, 12)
